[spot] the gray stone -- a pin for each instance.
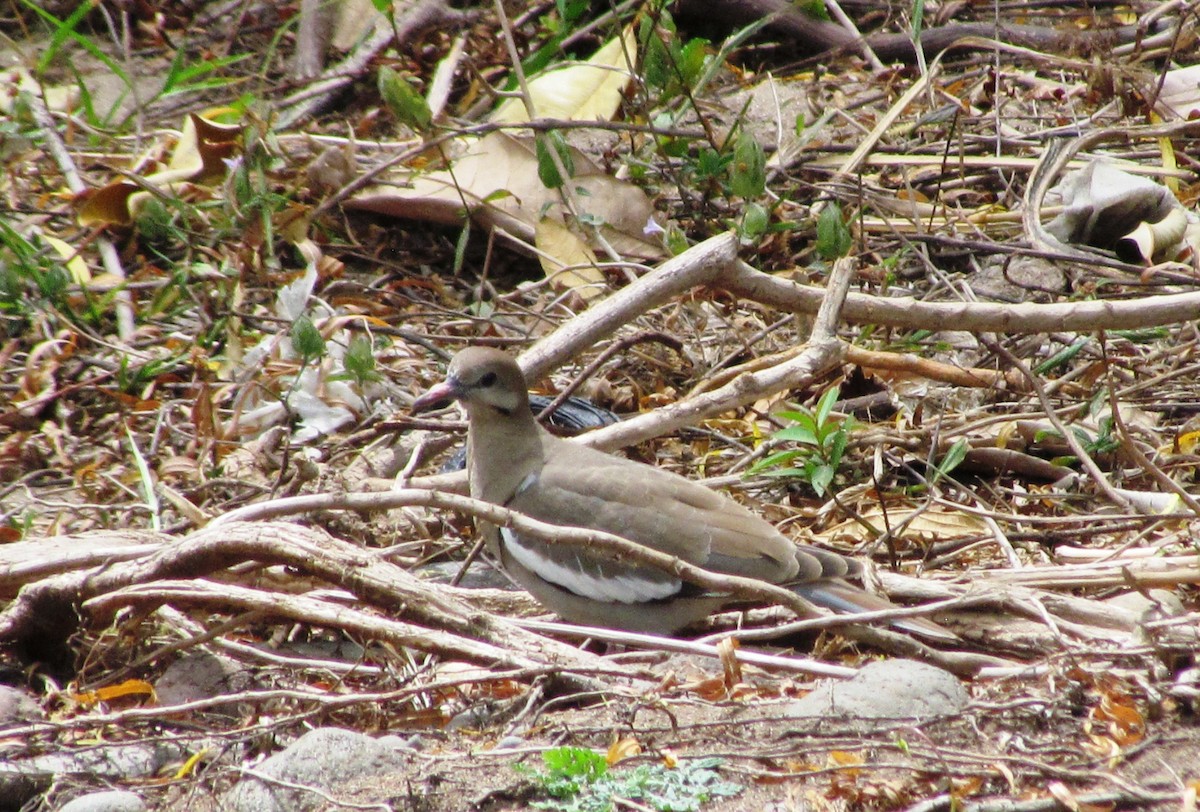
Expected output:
(112, 801)
(199, 675)
(115, 762)
(1018, 279)
(323, 759)
(888, 689)
(1156, 604)
(23, 779)
(18, 706)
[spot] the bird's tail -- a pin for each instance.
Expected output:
(844, 598)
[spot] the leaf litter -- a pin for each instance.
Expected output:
(1064, 528)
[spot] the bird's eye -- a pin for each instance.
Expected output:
(488, 379)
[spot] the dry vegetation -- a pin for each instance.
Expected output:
(202, 336)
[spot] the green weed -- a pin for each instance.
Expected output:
(578, 780)
(820, 441)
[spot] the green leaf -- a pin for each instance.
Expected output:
(787, 473)
(825, 405)
(755, 220)
(820, 477)
(65, 30)
(547, 171)
(806, 434)
(1142, 335)
(576, 762)
(841, 438)
(748, 171)
(1042, 435)
(794, 416)
(153, 222)
(359, 361)
(814, 8)
(777, 459)
(406, 104)
(571, 10)
(460, 247)
(306, 339)
(182, 78)
(833, 236)
(954, 457)
(1061, 357)
(692, 58)
(657, 69)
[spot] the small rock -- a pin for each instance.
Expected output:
(1016, 278)
(410, 744)
(199, 675)
(1156, 604)
(112, 801)
(324, 759)
(113, 761)
(888, 689)
(510, 743)
(17, 706)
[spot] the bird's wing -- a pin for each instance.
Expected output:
(580, 487)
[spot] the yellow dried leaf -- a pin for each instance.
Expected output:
(198, 157)
(932, 524)
(78, 269)
(190, 764)
(844, 758)
(621, 749)
(130, 687)
(1187, 443)
(566, 259)
(588, 91)
(727, 650)
(497, 184)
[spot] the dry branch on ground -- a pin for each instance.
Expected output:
(179, 478)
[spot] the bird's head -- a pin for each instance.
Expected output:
(480, 378)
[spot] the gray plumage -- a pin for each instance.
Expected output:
(514, 462)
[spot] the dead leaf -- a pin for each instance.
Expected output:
(1179, 93)
(198, 157)
(495, 181)
(586, 91)
(76, 267)
(17, 80)
(727, 650)
(1063, 795)
(566, 259)
(621, 749)
(130, 687)
(1150, 240)
(1106, 207)
(926, 525)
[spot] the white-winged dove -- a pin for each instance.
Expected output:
(514, 462)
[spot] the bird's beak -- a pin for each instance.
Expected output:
(439, 395)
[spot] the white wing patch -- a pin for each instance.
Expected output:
(585, 579)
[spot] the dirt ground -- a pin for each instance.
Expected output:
(215, 297)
